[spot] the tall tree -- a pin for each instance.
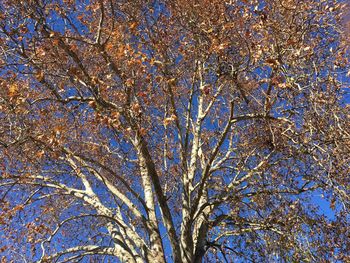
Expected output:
(174, 131)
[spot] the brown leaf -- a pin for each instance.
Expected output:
(129, 82)
(272, 62)
(143, 131)
(39, 76)
(172, 81)
(136, 108)
(332, 204)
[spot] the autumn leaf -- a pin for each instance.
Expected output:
(40, 154)
(333, 203)
(167, 121)
(143, 131)
(129, 82)
(95, 80)
(272, 62)
(13, 89)
(55, 41)
(39, 75)
(172, 81)
(136, 108)
(206, 89)
(115, 115)
(133, 25)
(92, 104)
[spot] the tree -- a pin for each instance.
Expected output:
(174, 131)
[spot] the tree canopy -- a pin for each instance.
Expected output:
(178, 131)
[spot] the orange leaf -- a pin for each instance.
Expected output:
(143, 131)
(133, 25)
(40, 154)
(13, 89)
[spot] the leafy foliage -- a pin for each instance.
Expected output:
(174, 131)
